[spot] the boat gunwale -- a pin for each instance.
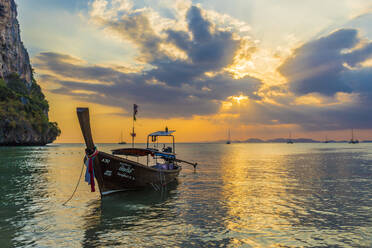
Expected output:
(141, 165)
(150, 151)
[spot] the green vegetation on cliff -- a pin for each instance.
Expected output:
(24, 114)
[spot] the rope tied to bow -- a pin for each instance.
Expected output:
(89, 173)
(89, 176)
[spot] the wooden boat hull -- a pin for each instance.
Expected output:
(115, 174)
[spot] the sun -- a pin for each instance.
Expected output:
(238, 99)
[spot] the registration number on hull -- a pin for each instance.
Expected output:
(126, 171)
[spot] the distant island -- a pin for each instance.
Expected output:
(23, 108)
(285, 140)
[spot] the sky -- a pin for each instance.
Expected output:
(261, 68)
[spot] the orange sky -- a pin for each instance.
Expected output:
(259, 80)
(107, 127)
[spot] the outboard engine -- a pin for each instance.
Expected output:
(167, 149)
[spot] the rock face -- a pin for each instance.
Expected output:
(13, 55)
(23, 107)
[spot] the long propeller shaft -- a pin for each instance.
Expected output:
(186, 162)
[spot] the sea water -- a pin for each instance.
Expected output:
(240, 195)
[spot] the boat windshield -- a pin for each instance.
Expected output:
(155, 141)
(162, 153)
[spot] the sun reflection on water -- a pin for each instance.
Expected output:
(254, 190)
(241, 195)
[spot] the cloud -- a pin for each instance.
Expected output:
(328, 87)
(184, 72)
(168, 86)
(310, 117)
(104, 85)
(137, 29)
(206, 48)
(70, 67)
(329, 73)
(320, 66)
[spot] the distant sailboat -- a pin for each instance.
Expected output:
(353, 141)
(228, 137)
(122, 142)
(290, 141)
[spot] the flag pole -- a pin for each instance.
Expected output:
(133, 134)
(135, 110)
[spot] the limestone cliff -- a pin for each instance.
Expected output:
(14, 57)
(23, 107)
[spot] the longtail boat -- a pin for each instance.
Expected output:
(114, 173)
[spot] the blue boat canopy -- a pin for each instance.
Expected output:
(165, 155)
(162, 133)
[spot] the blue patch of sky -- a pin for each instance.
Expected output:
(68, 5)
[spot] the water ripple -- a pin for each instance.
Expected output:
(249, 195)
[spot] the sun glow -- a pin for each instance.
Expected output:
(258, 62)
(238, 99)
(367, 63)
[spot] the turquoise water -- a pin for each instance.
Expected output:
(241, 195)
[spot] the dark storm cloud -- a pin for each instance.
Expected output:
(319, 65)
(361, 81)
(159, 100)
(209, 49)
(137, 28)
(359, 55)
(68, 66)
(311, 118)
(207, 52)
(171, 87)
(178, 87)
(155, 100)
(326, 66)
(180, 38)
(199, 27)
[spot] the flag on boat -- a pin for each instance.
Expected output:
(89, 173)
(135, 110)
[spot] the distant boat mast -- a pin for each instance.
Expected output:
(290, 141)
(121, 141)
(353, 141)
(228, 137)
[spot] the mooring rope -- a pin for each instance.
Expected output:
(77, 185)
